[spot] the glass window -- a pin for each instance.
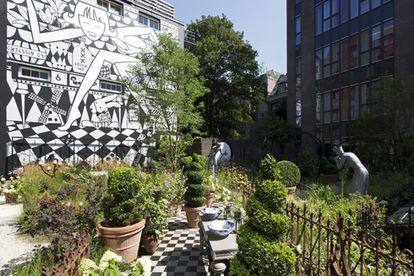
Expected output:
(298, 66)
(26, 72)
(143, 19)
(354, 98)
(353, 49)
(327, 61)
(345, 54)
(103, 3)
(297, 25)
(154, 24)
(318, 18)
(364, 6)
(376, 43)
(326, 108)
(115, 8)
(335, 58)
(344, 10)
(364, 97)
(111, 86)
(354, 8)
(326, 15)
(111, 6)
(345, 105)
(318, 64)
(34, 73)
(335, 106)
(364, 48)
(335, 6)
(388, 39)
(375, 3)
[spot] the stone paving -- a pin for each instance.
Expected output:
(179, 252)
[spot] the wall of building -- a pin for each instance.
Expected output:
(76, 109)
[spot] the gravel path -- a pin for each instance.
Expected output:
(14, 247)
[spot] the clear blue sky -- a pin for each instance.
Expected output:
(262, 21)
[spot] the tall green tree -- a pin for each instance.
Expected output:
(167, 84)
(384, 133)
(228, 64)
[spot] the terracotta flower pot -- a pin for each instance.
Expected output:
(193, 216)
(123, 240)
(209, 199)
(150, 243)
(11, 198)
(329, 178)
(291, 190)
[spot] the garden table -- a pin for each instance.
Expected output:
(220, 250)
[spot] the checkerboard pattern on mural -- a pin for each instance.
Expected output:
(179, 252)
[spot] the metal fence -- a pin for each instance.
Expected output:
(336, 247)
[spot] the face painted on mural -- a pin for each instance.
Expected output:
(91, 25)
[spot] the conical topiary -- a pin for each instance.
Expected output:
(260, 240)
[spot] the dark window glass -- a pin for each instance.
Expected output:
(327, 61)
(345, 55)
(154, 24)
(354, 98)
(326, 108)
(335, 58)
(35, 74)
(364, 97)
(335, 6)
(388, 39)
(376, 43)
(318, 64)
(335, 106)
(326, 9)
(345, 105)
(143, 20)
(44, 75)
(344, 10)
(364, 6)
(318, 18)
(298, 24)
(364, 48)
(26, 72)
(335, 21)
(298, 66)
(375, 3)
(354, 8)
(115, 8)
(353, 49)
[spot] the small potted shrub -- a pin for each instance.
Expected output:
(289, 174)
(328, 171)
(156, 222)
(11, 190)
(124, 208)
(194, 196)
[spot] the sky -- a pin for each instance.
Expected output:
(262, 21)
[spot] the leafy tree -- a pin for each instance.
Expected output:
(384, 133)
(228, 64)
(167, 82)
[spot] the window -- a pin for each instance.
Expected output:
(326, 15)
(34, 73)
(149, 21)
(354, 52)
(335, 58)
(375, 3)
(364, 97)
(114, 87)
(335, 13)
(354, 8)
(327, 61)
(345, 55)
(335, 106)
(376, 43)
(111, 6)
(344, 10)
(345, 104)
(388, 39)
(318, 18)
(364, 6)
(354, 98)
(364, 58)
(318, 64)
(298, 29)
(327, 108)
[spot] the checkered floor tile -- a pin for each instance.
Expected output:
(179, 252)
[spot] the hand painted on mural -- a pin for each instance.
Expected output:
(93, 24)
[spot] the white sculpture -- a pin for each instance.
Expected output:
(350, 160)
(220, 153)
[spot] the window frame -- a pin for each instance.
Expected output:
(111, 83)
(110, 4)
(31, 68)
(149, 19)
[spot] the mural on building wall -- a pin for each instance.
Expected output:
(65, 63)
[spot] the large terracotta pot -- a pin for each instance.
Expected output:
(10, 198)
(123, 240)
(193, 216)
(209, 199)
(150, 243)
(329, 178)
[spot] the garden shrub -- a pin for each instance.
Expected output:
(327, 167)
(124, 203)
(288, 173)
(260, 240)
(195, 193)
(267, 169)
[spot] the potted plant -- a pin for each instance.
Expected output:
(10, 190)
(156, 222)
(328, 171)
(194, 196)
(289, 174)
(124, 208)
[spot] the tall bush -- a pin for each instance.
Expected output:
(262, 250)
(193, 169)
(267, 169)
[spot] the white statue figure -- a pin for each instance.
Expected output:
(220, 153)
(350, 160)
(92, 23)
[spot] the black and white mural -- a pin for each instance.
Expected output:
(65, 63)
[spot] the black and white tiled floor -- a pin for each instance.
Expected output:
(179, 252)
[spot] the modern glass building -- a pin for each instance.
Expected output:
(337, 51)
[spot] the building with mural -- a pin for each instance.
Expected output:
(62, 68)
